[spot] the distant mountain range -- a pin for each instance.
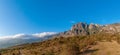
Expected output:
(79, 29)
(7, 41)
(81, 39)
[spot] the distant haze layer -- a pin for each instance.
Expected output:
(7, 41)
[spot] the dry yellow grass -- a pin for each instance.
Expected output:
(76, 45)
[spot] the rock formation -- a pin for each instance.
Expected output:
(88, 29)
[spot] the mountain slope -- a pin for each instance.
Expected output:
(82, 39)
(106, 48)
(76, 45)
(7, 41)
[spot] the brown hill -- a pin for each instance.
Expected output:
(77, 45)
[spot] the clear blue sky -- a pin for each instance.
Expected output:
(33, 16)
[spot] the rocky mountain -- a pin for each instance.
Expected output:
(73, 42)
(83, 29)
(79, 29)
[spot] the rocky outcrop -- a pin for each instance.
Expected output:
(88, 29)
(80, 29)
(112, 28)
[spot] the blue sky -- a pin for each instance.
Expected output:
(34, 16)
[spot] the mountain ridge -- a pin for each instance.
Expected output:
(7, 41)
(82, 39)
(88, 29)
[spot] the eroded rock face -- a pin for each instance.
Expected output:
(112, 28)
(80, 29)
(88, 29)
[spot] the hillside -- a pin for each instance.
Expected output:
(82, 39)
(77, 45)
(8, 41)
(106, 48)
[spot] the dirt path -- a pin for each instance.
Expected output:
(105, 48)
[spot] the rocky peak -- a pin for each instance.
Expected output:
(80, 29)
(111, 28)
(88, 29)
(79, 26)
(92, 26)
